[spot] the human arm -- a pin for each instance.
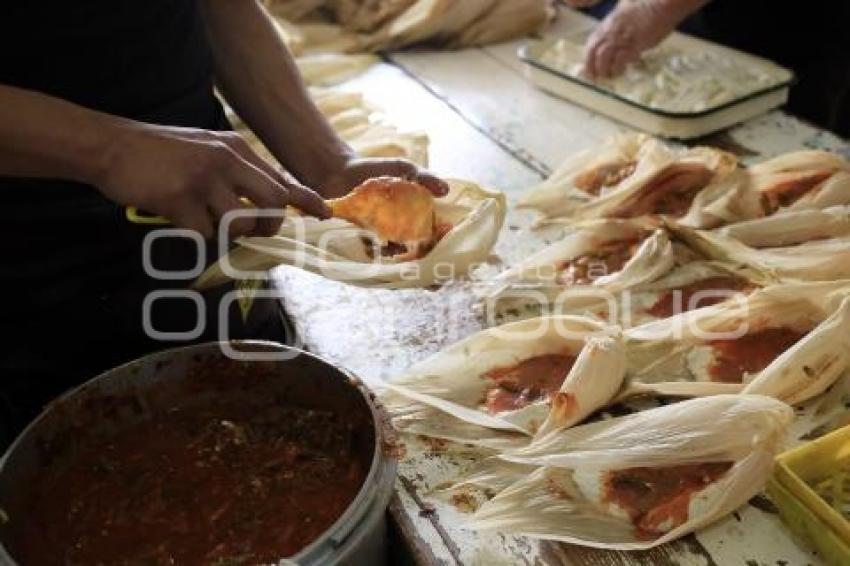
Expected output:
(191, 176)
(630, 29)
(257, 75)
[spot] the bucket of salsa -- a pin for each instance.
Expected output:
(192, 457)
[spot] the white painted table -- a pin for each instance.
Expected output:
(488, 124)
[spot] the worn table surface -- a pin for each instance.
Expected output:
(487, 123)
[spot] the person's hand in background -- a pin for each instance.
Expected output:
(630, 29)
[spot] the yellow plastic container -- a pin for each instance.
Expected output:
(811, 488)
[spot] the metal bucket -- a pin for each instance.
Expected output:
(126, 394)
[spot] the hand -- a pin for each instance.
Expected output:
(356, 170)
(193, 177)
(633, 27)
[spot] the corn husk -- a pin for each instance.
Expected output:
(822, 173)
(489, 475)
(350, 122)
(332, 102)
(724, 201)
(542, 268)
(506, 20)
(367, 15)
(562, 500)
(452, 381)
(431, 21)
(708, 169)
(634, 309)
(812, 365)
(798, 305)
(679, 347)
(817, 260)
(558, 195)
(625, 297)
(424, 420)
(375, 25)
(592, 384)
(328, 69)
(791, 227)
(379, 140)
(358, 123)
(292, 10)
(628, 308)
(654, 257)
(835, 191)
(290, 35)
(335, 248)
(326, 37)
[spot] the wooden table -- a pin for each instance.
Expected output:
(487, 123)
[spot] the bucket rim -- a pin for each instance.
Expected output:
(376, 487)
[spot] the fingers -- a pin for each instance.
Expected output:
(621, 60)
(298, 195)
(590, 54)
(614, 43)
(238, 144)
(304, 199)
(407, 170)
(194, 216)
(223, 200)
(433, 183)
(605, 60)
(260, 187)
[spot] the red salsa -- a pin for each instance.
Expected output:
(792, 186)
(594, 180)
(531, 380)
(750, 353)
(220, 483)
(657, 499)
(395, 249)
(676, 301)
(606, 259)
(671, 192)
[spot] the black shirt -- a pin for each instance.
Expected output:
(147, 60)
(133, 58)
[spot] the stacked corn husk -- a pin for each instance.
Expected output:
(779, 229)
(544, 475)
(811, 258)
(659, 265)
(795, 204)
(564, 483)
(359, 124)
(450, 383)
(626, 176)
(319, 49)
(373, 25)
(683, 347)
(793, 182)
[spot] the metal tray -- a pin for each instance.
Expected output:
(670, 124)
